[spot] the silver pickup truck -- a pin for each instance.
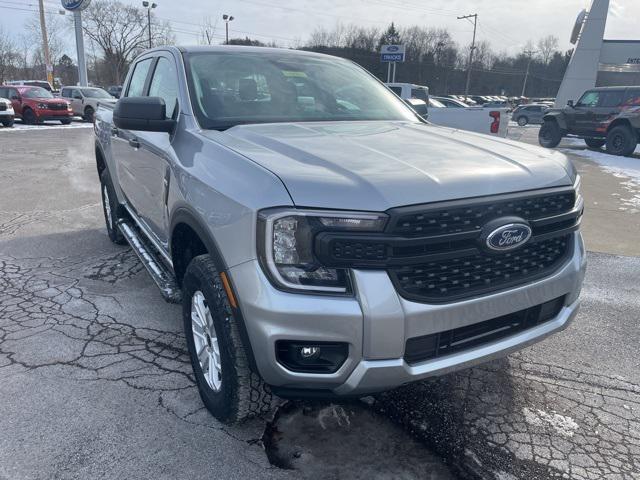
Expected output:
(322, 239)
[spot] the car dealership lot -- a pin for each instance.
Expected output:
(96, 381)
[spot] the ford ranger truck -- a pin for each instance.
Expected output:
(322, 239)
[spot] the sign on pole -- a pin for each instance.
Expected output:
(392, 53)
(77, 6)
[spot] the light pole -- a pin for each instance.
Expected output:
(149, 6)
(530, 54)
(227, 19)
(471, 50)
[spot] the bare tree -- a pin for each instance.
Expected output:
(120, 31)
(207, 32)
(547, 47)
(56, 29)
(8, 56)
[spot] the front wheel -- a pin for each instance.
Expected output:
(89, 114)
(550, 135)
(109, 207)
(66, 121)
(8, 123)
(523, 121)
(594, 143)
(229, 389)
(29, 117)
(621, 141)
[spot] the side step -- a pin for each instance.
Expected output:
(160, 274)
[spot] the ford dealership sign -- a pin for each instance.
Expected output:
(75, 5)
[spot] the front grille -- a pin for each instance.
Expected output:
(57, 106)
(461, 217)
(437, 253)
(441, 344)
(3, 107)
(467, 276)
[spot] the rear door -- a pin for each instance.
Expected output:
(608, 109)
(77, 101)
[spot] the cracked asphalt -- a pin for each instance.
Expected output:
(95, 381)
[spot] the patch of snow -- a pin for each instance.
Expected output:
(21, 127)
(564, 425)
(620, 166)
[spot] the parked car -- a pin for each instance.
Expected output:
(31, 83)
(36, 105)
(7, 114)
(451, 102)
(84, 100)
(334, 248)
(115, 90)
(529, 113)
(602, 116)
(489, 121)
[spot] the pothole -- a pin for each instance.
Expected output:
(346, 440)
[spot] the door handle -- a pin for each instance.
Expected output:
(134, 143)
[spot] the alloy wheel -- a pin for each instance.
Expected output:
(205, 340)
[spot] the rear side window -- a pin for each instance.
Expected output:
(139, 78)
(165, 84)
(612, 98)
(632, 98)
(64, 93)
(589, 99)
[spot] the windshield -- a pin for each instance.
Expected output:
(95, 93)
(36, 93)
(236, 88)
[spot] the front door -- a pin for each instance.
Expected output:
(77, 101)
(584, 113)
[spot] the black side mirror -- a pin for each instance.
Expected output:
(15, 97)
(570, 103)
(77, 97)
(147, 114)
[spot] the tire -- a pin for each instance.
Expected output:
(89, 114)
(8, 123)
(550, 134)
(232, 392)
(65, 122)
(595, 143)
(522, 121)
(621, 141)
(109, 208)
(29, 117)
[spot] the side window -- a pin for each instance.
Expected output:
(165, 84)
(589, 99)
(4, 93)
(396, 90)
(613, 98)
(75, 93)
(64, 93)
(632, 98)
(13, 93)
(138, 79)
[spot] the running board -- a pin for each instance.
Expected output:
(161, 275)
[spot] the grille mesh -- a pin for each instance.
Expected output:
(469, 218)
(57, 106)
(462, 277)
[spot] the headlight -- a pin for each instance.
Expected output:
(577, 186)
(286, 244)
(42, 106)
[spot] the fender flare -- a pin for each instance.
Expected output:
(559, 118)
(186, 215)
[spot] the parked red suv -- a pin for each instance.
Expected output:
(35, 105)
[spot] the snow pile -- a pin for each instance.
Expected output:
(565, 426)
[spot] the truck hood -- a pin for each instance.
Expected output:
(379, 165)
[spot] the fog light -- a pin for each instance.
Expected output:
(311, 357)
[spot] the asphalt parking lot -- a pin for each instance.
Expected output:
(96, 381)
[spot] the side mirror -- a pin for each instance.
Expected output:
(15, 97)
(146, 114)
(570, 103)
(77, 97)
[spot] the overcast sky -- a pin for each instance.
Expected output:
(506, 24)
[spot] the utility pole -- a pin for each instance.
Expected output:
(530, 54)
(473, 47)
(45, 44)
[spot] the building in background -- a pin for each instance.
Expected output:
(596, 61)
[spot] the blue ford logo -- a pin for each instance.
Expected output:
(508, 237)
(75, 4)
(393, 48)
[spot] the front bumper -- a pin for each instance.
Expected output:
(376, 324)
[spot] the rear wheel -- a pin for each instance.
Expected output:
(29, 117)
(595, 142)
(550, 134)
(621, 141)
(109, 207)
(522, 121)
(227, 386)
(89, 114)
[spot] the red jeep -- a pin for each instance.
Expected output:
(36, 105)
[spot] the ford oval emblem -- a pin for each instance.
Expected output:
(393, 48)
(508, 237)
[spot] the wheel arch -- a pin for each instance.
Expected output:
(188, 229)
(559, 119)
(620, 122)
